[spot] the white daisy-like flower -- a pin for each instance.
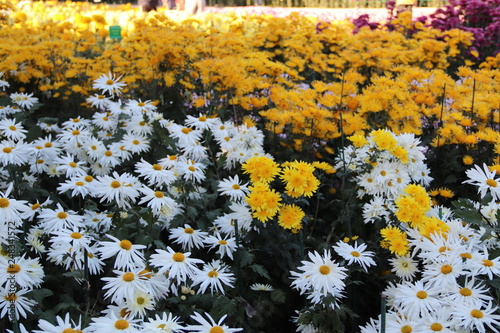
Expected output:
(166, 323)
(355, 254)
(156, 174)
(188, 237)
(128, 256)
(63, 325)
(12, 210)
(135, 143)
(110, 84)
(233, 188)
(156, 200)
(124, 285)
(470, 293)
(210, 326)
(202, 122)
(27, 272)
(139, 106)
(485, 181)
(185, 135)
(76, 123)
(71, 167)
(261, 287)
(405, 267)
(180, 266)
(24, 100)
(416, 299)
(12, 130)
(215, 276)
(56, 219)
(17, 153)
(22, 304)
(98, 101)
(113, 324)
(191, 170)
(225, 245)
(320, 274)
(77, 186)
(478, 317)
(119, 189)
(443, 273)
(140, 304)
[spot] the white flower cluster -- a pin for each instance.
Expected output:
(87, 158)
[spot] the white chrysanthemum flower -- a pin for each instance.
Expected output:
(17, 153)
(470, 293)
(128, 256)
(137, 125)
(233, 188)
(140, 304)
(12, 130)
(185, 135)
(180, 266)
(225, 246)
(208, 326)
(71, 167)
(22, 304)
(443, 273)
(478, 317)
(355, 254)
(56, 219)
(98, 101)
(77, 238)
(485, 181)
(416, 299)
(135, 143)
(166, 323)
(63, 325)
(124, 285)
(12, 210)
(320, 274)
(24, 100)
(261, 287)
(27, 272)
(156, 174)
(113, 324)
(215, 276)
(139, 107)
(405, 267)
(188, 237)
(110, 84)
(77, 185)
(118, 189)
(191, 170)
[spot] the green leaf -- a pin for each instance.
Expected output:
(278, 296)
(259, 269)
(466, 211)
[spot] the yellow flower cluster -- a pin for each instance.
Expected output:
(308, 82)
(298, 179)
(395, 240)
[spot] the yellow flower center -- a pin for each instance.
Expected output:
(121, 324)
(222, 242)
(88, 178)
(35, 206)
(324, 269)
(108, 153)
(491, 182)
(466, 255)
(79, 183)
(216, 329)
(126, 244)
(186, 130)
(406, 329)
(10, 298)
(7, 150)
(128, 277)
(73, 164)
(487, 263)
(477, 314)
(140, 300)
(446, 269)
(115, 184)
(4, 203)
(62, 215)
(191, 168)
(235, 187)
(75, 132)
(189, 230)
(157, 167)
(110, 83)
(436, 327)
(76, 235)
(48, 144)
(465, 292)
(159, 194)
(213, 274)
(13, 269)
(12, 128)
(355, 254)
(142, 123)
(422, 294)
(178, 257)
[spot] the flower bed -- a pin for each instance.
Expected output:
(237, 172)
